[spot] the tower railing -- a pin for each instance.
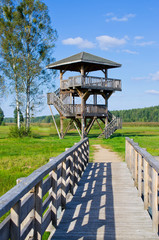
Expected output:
(90, 81)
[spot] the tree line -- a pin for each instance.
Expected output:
(27, 40)
(148, 114)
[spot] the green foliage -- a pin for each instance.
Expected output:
(27, 40)
(150, 114)
(1, 116)
(16, 132)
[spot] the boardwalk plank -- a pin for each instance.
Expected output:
(106, 205)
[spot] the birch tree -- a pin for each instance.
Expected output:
(38, 38)
(27, 41)
(10, 51)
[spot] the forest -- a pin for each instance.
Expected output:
(149, 114)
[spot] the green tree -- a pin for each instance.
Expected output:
(1, 116)
(10, 50)
(38, 40)
(27, 40)
(2, 86)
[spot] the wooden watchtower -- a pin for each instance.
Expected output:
(82, 86)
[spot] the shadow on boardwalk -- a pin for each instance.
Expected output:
(91, 211)
(106, 205)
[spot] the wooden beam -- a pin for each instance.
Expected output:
(90, 126)
(55, 122)
(86, 95)
(99, 125)
(102, 120)
(77, 129)
(61, 126)
(68, 127)
(78, 122)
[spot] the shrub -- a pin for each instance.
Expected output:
(16, 132)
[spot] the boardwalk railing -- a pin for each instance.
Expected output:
(35, 201)
(145, 170)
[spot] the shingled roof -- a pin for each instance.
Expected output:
(90, 62)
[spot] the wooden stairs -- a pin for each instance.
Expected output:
(114, 124)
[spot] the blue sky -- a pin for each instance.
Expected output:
(123, 31)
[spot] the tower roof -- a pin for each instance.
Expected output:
(90, 62)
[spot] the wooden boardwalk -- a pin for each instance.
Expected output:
(106, 205)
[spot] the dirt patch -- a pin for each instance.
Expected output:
(105, 155)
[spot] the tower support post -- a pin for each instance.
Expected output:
(61, 126)
(106, 119)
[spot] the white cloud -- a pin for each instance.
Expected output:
(143, 44)
(105, 42)
(154, 76)
(137, 41)
(139, 78)
(154, 92)
(129, 51)
(138, 37)
(79, 42)
(109, 14)
(151, 76)
(125, 18)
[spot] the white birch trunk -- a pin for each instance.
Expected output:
(18, 112)
(28, 108)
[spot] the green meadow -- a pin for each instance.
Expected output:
(20, 157)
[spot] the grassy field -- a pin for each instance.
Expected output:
(20, 157)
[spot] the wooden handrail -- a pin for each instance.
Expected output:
(145, 170)
(29, 213)
(91, 81)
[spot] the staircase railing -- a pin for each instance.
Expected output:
(57, 92)
(114, 124)
(59, 105)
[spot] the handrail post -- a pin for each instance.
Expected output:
(81, 159)
(139, 176)
(87, 150)
(38, 211)
(15, 221)
(79, 162)
(76, 166)
(63, 185)
(145, 184)
(136, 169)
(155, 200)
(54, 198)
(75, 160)
(72, 182)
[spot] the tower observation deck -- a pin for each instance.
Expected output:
(81, 87)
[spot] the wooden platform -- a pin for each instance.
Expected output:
(105, 206)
